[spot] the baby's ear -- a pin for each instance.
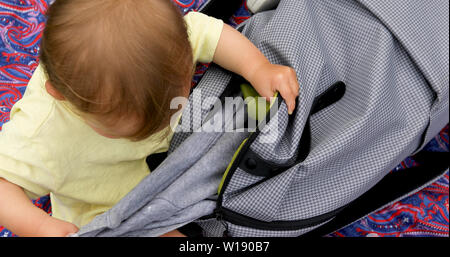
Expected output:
(53, 92)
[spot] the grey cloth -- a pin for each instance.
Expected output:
(174, 194)
(179, 191)
(393, 58)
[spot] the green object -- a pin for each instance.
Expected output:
(257, 106)
(254, 100)
(231, 163)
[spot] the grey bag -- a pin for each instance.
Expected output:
(373, 90)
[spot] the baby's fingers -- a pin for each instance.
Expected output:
(289, 90)
(295, 88)
(289, 96)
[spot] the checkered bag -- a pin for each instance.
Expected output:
(373, 81)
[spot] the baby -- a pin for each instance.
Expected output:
(98, 105)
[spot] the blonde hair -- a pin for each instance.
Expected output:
(117, 58)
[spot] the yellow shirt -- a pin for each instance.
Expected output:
(47, 149)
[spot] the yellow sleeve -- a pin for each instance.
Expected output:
(204, 34)
(24, 159)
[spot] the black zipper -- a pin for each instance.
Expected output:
(224, 214)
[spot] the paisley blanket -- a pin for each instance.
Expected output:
(425, 213)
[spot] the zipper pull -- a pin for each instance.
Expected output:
(219, 217)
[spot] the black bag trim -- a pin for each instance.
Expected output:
(154, 160)
(433, 166)
(255, 165)
(278, 225)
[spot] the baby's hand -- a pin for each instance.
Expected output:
(173, 233)
(270, 78)
(52, 227)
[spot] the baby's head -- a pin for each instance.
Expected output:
(119, 63)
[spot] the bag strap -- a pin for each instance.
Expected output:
(252, 163)
(393, 187)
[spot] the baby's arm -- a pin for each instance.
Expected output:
(236, 53)
(18, 214)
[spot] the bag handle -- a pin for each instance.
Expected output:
(255, 165)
